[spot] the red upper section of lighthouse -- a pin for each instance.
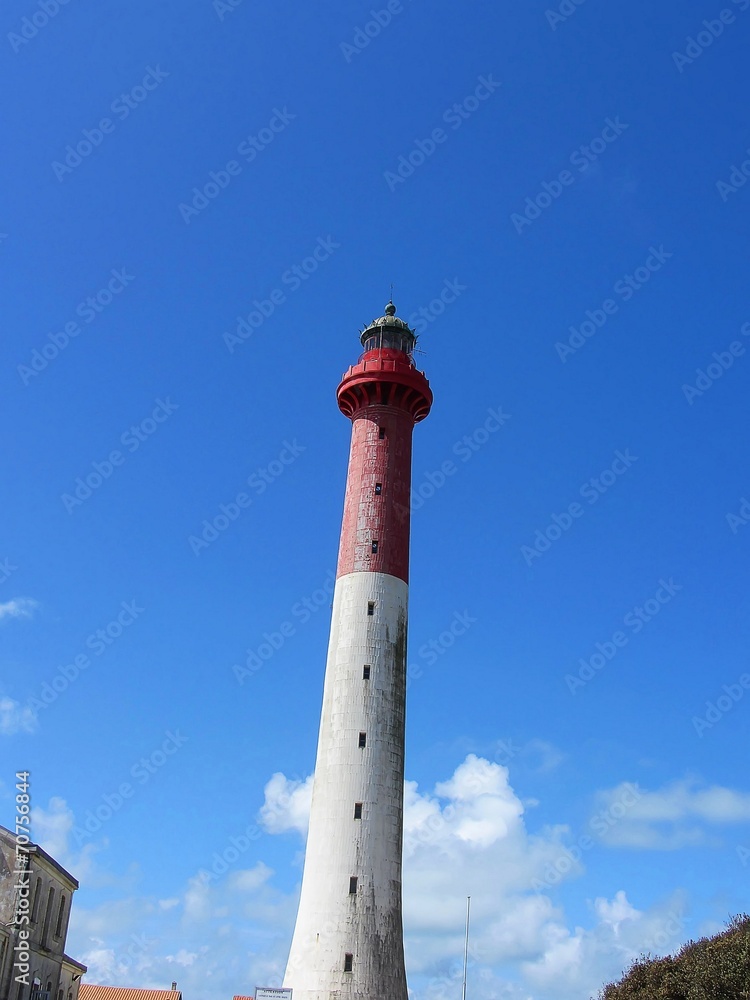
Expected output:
(384, 395)
(386, 374)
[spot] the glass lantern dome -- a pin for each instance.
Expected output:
(389, 331)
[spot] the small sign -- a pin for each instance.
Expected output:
(269, 993)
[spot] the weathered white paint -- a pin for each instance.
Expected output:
(331, 921)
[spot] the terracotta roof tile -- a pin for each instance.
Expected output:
(89, 991)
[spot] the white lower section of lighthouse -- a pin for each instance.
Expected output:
(348, 940)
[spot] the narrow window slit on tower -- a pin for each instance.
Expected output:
(374, 546)
(348, 962)
(381, 433)
(358, 810)
(363, 739)
(371, 607)
(352, 885)
(378, 489)
(366, 672)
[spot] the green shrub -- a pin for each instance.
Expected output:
(716, 968)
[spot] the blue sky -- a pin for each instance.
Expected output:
(559, 166)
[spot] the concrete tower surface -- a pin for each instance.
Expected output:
(348, 940)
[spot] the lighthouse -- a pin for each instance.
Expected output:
(348, 939)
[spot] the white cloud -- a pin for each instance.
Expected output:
(19, 607)
(614, 912)
(183, 957)
(197, 903)
(577, 963)
(481, 793)
(103, 966)
(287, 804)
(251, 878)
(15, 718)
(684, 799)
(682, 814)
(51, 828)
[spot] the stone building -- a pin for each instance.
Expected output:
(52, 975)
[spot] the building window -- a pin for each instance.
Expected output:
(362, 740)
(358, 810)
(35, 908)
(381, 433)
(60, 915)
(378, 489)
(374, 546)
(366, 672)
(48, 916)
(348, 962)
(371, 607)
(352, 885)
